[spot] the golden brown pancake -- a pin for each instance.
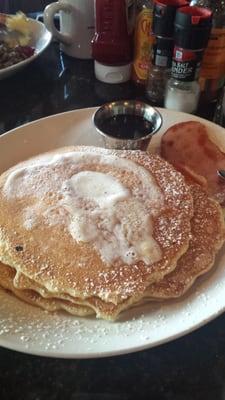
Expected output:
(32, 297)
(208, 235)
(33, 294)
(38, 229)
(102, 309)
(107, 310)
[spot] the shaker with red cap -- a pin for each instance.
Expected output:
(191, 34)
(164, 12)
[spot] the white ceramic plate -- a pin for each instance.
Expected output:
(32, 330)
(40, 39)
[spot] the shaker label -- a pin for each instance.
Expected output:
(161, 57)
(186, 64)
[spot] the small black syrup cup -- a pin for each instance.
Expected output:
(132, 110)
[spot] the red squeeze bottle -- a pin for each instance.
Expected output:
(112, 45)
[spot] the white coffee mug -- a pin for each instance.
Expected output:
(76, 26)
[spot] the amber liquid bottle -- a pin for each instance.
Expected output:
(143, 40)
(212, 73)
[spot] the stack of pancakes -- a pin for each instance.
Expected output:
(96, 231)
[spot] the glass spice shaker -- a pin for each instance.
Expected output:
(159, 70)
(192, 29)
(164, 12)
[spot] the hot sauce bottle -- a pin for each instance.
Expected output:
(143, 41)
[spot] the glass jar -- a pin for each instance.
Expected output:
(156, 84)
(159, 70)
(182, 96)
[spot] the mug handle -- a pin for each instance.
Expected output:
(49, 13)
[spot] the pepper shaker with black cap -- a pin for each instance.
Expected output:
(191, 34)
(164, 12)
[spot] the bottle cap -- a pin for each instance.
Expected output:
(111, 73)
(192, 27)
(164, 12)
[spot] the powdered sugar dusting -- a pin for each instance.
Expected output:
(95, 207)
(157, 193)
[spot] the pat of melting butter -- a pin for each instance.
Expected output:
(111, 218)
(101, 188)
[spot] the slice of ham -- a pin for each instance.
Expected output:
(187, 146)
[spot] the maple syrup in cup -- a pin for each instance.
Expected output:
(127, 124)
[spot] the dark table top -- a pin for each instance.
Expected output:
(192, 367)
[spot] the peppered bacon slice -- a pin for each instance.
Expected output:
(187, 146)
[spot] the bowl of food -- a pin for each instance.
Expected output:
(22, 40)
